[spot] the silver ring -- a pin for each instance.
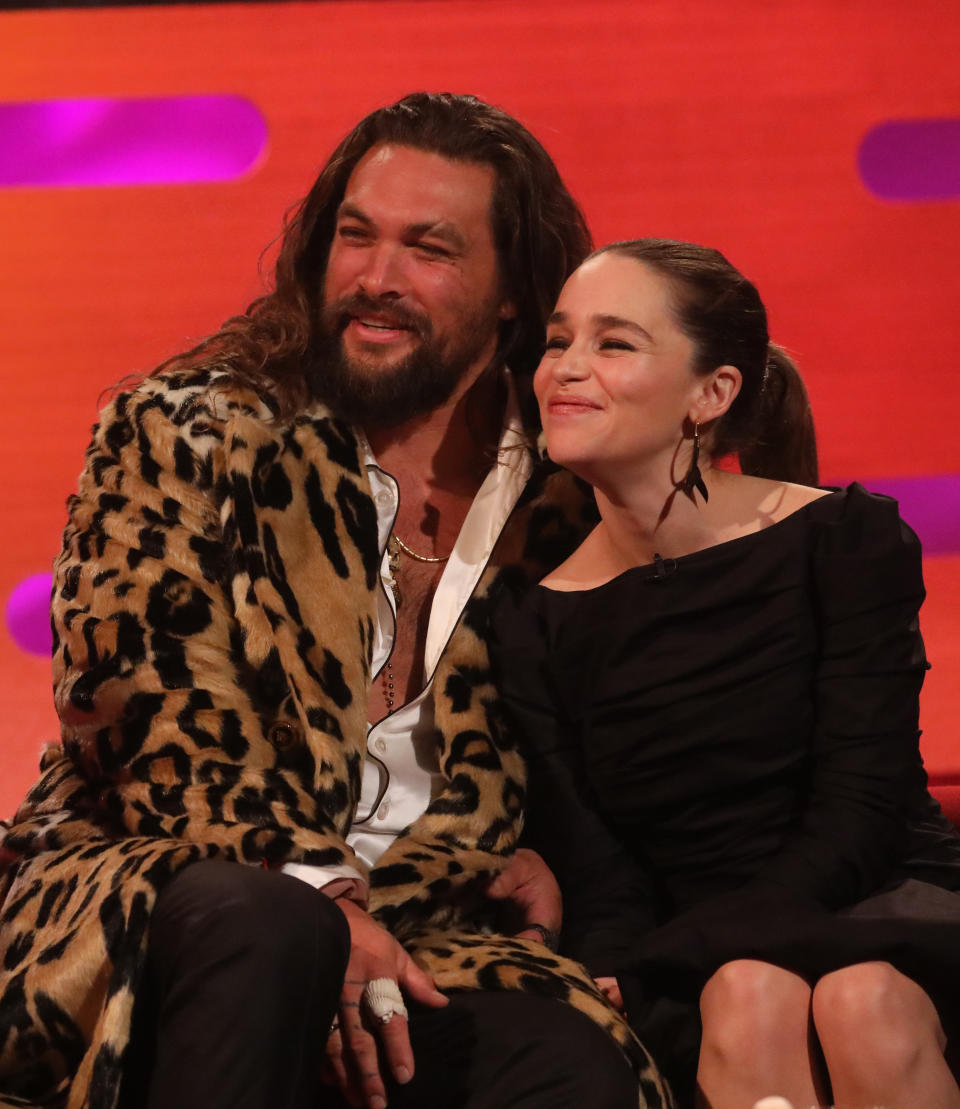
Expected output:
(383, 998)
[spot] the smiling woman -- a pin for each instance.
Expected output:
(717, 695)
(614, 385)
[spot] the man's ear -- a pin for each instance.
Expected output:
(717, 392)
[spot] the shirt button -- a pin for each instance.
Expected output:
(380, 745)
(384, 498)
(383, 810)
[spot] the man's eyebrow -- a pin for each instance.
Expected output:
(438, 229)
(351, 211)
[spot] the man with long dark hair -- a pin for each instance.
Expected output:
(266, 652)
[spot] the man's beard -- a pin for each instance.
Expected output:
(374, 395)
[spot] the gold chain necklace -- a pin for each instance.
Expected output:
(413, 554)
(394, 546)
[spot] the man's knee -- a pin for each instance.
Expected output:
(590, 1067)
(229, 911)
(529, 1052)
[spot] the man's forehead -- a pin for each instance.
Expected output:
(418, 187)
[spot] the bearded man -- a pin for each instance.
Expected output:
(266, 652)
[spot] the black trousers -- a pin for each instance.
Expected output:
(244, 973)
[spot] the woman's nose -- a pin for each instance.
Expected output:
(572, 365)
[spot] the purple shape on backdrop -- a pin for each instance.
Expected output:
(912, 159)
(127, 141)
(930, 505)
(28, 615)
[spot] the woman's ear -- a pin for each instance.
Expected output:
(716, 393)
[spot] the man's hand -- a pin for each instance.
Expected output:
(351, 1048)
(529, 883)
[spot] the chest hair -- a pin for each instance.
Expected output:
(417, 583)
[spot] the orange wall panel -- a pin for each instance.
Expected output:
(737, 125)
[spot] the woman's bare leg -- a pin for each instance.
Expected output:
(757, 1038)
(882, 1040)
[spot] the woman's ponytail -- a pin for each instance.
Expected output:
(783, 443)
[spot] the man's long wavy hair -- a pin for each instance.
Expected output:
(539, 233)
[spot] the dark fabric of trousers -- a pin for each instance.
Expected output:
(511, 1050)
(244, 974)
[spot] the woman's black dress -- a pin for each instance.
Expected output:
(724, 764)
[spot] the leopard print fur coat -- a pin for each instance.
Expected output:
(213, 615)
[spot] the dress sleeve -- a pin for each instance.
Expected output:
(607, 894)
(868, 588)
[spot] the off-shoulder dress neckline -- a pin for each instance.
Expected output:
(657, 566)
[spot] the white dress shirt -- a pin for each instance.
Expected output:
(400, 773)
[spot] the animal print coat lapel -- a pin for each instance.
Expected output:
(430, 876)
(428, 886)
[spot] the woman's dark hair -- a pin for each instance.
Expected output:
(769, 425)
(539, 233)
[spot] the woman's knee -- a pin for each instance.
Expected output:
(875, 1016)
(749, 1005)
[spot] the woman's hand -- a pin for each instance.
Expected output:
(351, 1047)
(610, 988)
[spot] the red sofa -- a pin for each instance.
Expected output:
(946, 789)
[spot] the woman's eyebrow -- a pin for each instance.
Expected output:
(604, 320)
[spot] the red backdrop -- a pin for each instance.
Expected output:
(736, 125)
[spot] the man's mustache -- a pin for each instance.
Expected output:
(338, 313)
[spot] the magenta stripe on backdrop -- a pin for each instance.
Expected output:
(930, 504)
(129, 141)
(912, 159)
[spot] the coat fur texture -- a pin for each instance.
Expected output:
(213, 615)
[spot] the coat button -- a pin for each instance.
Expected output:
(284, 737)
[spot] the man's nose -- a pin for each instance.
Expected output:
(382, 274)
